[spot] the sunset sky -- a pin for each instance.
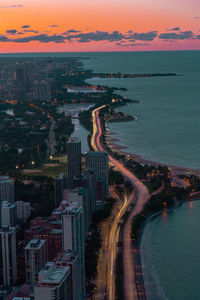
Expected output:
(98, 25)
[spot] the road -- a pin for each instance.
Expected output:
(139, 198)
(108, 248)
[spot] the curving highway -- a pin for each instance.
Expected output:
(140, 196)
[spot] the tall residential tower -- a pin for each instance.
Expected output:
(73, 159)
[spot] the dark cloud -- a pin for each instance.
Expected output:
(42, 38)
(183, 35)
(81, 37)
(71, 31)
(25, 26)
(129, 38)
(174, 29)
(96, 36)
(198, 17)
(145, 36)
(12, 6)
(54, 25)
(3, 38)
(30, 30)
(11, 31)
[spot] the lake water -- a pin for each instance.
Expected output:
(171, 256)
(81, 133)
(167, 129)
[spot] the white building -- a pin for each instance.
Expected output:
(8, 260)
(71, 261)
(23, 210)
(8, 214)
(53, 283)
(73, 238)
(6, 189)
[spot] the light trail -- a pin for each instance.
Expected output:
(130, 291)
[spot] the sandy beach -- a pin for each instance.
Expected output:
(177, 170)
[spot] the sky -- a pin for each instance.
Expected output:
(99, 25)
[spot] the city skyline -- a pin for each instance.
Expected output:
(40, 26)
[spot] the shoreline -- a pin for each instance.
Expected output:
(177, 170)
(152, 283)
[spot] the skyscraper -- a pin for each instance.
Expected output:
(76, 197)
(35, 259)
(60, 184)
(91, 189)
(8, 260)
(53, 283)
(42, 90)
(73, 159)
(73, 238)
(71, 261)
(6, 189)
(23, 210)
(98, 162)
(8, 214)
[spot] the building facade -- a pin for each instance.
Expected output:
(8, 259)
(35, 259)
(73, 159)
(53, 283)
(8, 214)
(73, 239)
(98, 163)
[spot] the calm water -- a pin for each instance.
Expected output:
(168, 123)
(175, 246)
(81, 133)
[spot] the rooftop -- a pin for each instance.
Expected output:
(73, 140)
(55, 274)
(56, 231)
(35, 244)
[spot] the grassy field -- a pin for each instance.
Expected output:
(52, 169)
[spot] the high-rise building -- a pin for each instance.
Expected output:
(53, 283)
(73, 159)
(73, 238)
(35, 259)
(91, 189)
(8, 214)
(6, 189)
(42, 90)
(60, 184)
(71, 261)
(77, 197)
(8, 260)
(19, 76)
(101, 192)
(98, 162)
(23, 210)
